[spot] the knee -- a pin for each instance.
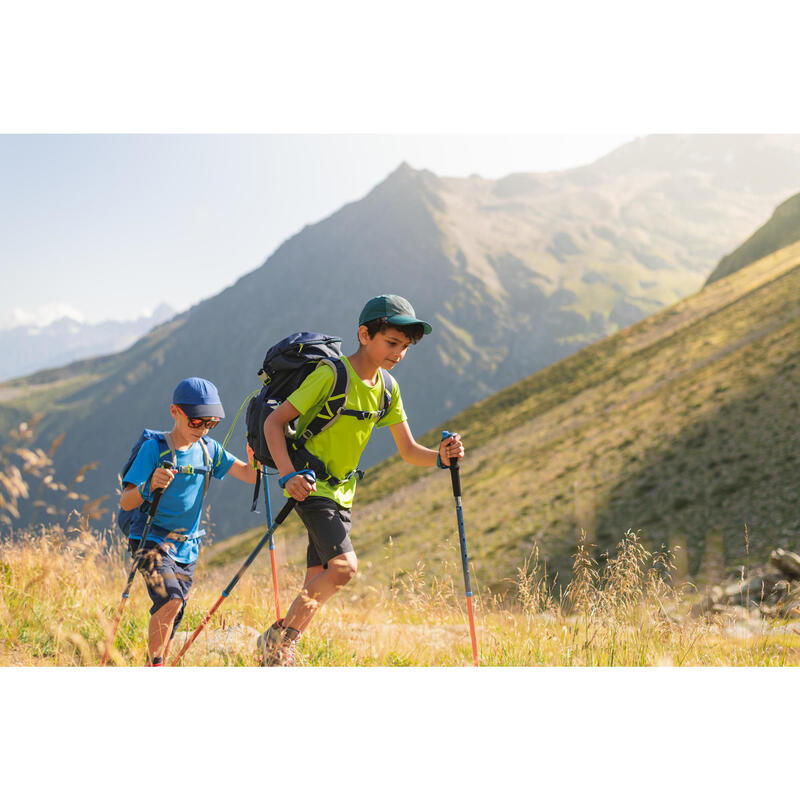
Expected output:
(171, 608)
(343, 568)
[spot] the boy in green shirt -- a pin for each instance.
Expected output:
(387, 327)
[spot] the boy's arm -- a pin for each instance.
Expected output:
(244, 472)
(413, 452)
(298, 486)
(136, 490)
(132, 496)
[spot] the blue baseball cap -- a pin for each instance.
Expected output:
(198, 398)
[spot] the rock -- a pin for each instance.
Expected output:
(754, 589)
(769, 612)
(790, 608)
(714, 596)
(788, 563)
(780, 590)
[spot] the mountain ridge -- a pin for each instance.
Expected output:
(780, 230)
(681, 427)
(510, 285)
(28, 348)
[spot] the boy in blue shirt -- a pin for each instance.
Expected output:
(173, 543)
(387, 327)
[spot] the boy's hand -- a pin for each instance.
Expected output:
(251, 458)
(299, 487)
(161, 479)
(451, 448)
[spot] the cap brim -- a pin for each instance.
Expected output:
(210, 410)
(399, 319)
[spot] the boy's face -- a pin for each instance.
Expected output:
(387, 348)
(191, 432)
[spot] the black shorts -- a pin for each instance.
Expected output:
(328, 525)
(165, 579)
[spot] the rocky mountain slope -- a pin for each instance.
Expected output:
(514, 275)
(683, 427)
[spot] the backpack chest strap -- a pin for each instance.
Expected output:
(362, 415)
(188, 469)
(334, 407)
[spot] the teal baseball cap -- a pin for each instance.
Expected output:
(396, 309)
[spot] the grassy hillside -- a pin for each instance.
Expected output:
(515, 274)
(683, 426)
(781, 230)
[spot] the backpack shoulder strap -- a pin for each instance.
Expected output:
(333, 406)
(167, 436)
(387, 384)
(388, 390)
(207, 463)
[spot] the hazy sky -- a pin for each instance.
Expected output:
(108, 226)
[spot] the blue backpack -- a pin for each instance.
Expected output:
(126, 519)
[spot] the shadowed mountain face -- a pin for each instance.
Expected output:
(513, 274)
(782, 229)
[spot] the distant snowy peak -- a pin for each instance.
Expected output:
(30, 347)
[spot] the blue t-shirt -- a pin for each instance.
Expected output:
(181, 504)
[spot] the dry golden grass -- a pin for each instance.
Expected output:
(60, 589)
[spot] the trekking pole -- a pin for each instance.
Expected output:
(282, 514)
(272, 558)
(455, 476)
(136, 561)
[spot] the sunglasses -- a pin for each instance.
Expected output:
(200, 422)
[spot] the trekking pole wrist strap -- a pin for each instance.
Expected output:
(286, 478)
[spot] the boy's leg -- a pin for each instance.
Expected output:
(330, 559)
(161, 627)
(168, 583)
(330, 564)
(311, 573)
(322, 586)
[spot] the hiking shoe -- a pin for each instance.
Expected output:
(278, 646)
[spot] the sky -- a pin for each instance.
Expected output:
(102, 227)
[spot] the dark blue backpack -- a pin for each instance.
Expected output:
(126, 519)
(286, 365)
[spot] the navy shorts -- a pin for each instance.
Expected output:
(165, 579)
(328, 525)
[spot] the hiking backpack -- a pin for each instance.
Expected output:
(126, 519)
(286, 365)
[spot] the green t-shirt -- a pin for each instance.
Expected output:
(341, 445)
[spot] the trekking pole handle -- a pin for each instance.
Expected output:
(158, 492)
(455, 466)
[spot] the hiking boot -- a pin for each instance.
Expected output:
(278, 646)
